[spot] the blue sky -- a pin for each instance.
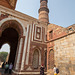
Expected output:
(5, 48)
(62, 12)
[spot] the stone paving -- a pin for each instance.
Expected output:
(2, 72)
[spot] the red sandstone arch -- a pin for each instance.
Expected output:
(13, 24)
(51, 59)
(10, 32)
(15, 20)
(39, 58)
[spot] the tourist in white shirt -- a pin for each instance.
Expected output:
(54, 69)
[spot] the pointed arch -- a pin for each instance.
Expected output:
(51, 59)
(36, 61)
(13, 19)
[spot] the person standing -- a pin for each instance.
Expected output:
(6, 67)
(10, 68)
(54, 69)
(3, 65)
(42, 70)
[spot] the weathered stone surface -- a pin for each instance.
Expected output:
(64, 49)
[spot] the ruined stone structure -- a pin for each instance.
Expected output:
(34, 42)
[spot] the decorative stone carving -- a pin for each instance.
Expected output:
(2, 16)
(40, 48)
(45, 49)
(44, 9)
(33, 46)
(35, 59)
(12, 3)
(29, 68)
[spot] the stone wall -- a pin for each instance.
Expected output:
(64, 49)
(63, 45)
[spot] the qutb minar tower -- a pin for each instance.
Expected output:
(43, 11)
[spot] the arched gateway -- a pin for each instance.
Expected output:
(11, 32)
(26, 59)
(26, 37)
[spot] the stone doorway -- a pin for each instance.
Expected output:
(10, 36)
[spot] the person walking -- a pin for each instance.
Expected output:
(54, 69)
(42, 70)
(10, 68)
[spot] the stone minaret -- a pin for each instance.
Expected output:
(8, 3)
(43, 11)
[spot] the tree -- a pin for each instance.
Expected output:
(3, 56)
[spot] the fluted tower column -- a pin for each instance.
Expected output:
(43, 11)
